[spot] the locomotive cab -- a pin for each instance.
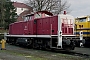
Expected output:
(39, 14)
(42, 14)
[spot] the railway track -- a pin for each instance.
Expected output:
(51, 52)
(75, 54)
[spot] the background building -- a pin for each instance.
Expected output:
(21, 10)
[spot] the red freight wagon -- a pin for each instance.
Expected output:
(43, 30)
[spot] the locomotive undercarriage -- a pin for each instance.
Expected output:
(42, 43)
(87, 41)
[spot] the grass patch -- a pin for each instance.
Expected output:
(29, 56)
(58, 56)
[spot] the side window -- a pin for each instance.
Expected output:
(47, 15)
(39, 15)
(30, 17)
(25, 18)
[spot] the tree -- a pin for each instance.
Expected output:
(10, 14)
(2, 10)
(54, 6)
(7, 13)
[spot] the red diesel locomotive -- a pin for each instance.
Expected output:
(42, 30)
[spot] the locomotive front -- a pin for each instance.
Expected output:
(66, 31)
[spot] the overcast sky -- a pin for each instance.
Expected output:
(78, 7)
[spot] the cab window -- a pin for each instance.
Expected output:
(47, 15)
(25, 18)
(38, 15)
(30, 17)
(82, 20)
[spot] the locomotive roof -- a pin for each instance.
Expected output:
(82, 17)
(46, 12)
